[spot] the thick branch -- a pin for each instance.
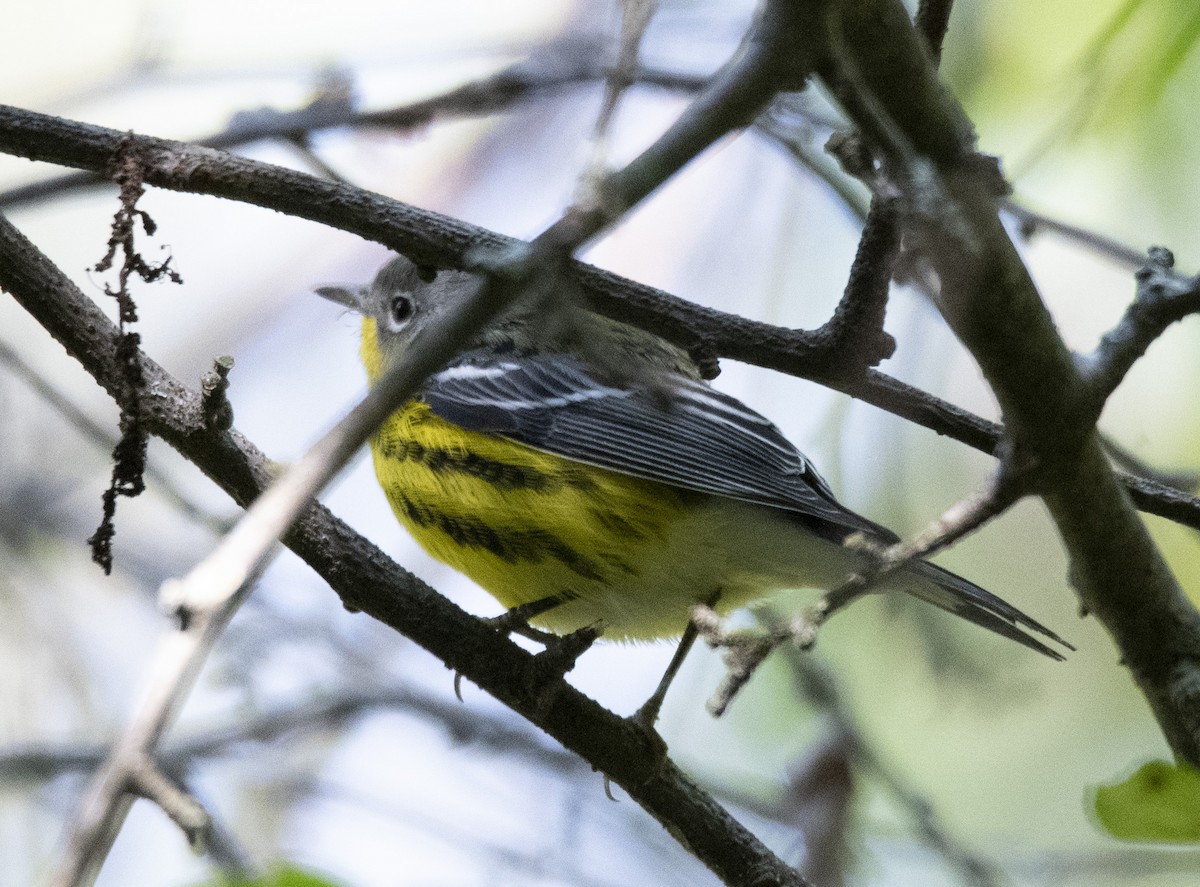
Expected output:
(440, 241)
(993, 306)
(367, 580)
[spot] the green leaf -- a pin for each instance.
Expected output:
(283, 876)
(1160, 802)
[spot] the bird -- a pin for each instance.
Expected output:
(582, 471)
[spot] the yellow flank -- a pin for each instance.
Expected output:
(527, 525)
(523, 524)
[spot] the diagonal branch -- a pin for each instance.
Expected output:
(369, 581)
(992, 304)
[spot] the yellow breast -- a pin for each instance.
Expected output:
(523, 524)
(630, 556)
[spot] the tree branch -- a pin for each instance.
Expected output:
(1163, 298)
(433, 239)
(44, 761)
(992, 305)
(104, 438)
(548, 70)
(1033, 223)
(367, 580)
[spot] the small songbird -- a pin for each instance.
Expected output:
(584, 469)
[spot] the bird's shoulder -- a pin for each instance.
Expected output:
(652, 422)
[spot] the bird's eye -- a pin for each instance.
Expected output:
(400, 309)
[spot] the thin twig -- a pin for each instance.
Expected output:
(744, 650)
(1163, 298)
(635, 18)
(103, 438)
(1033, 222)
(788, 124)
(551, 69)
(440, 241)
(958, 521)
(1185, 482)
(42, 761)
(147, 781)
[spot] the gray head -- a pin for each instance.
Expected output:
(403, 299)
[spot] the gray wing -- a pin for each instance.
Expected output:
(685, 434)
(688, 435)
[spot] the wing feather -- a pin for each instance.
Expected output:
(688, 434)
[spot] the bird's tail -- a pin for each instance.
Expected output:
(967, 600)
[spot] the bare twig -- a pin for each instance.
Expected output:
(1185, 482)
(635, 18)
(1033, 222)
(147, 781)
(105, 439)
(1163, 297)
(45, 761)
(551, 69)
(964, 517)
(746, 649)
(775, 57)
(787, 123)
